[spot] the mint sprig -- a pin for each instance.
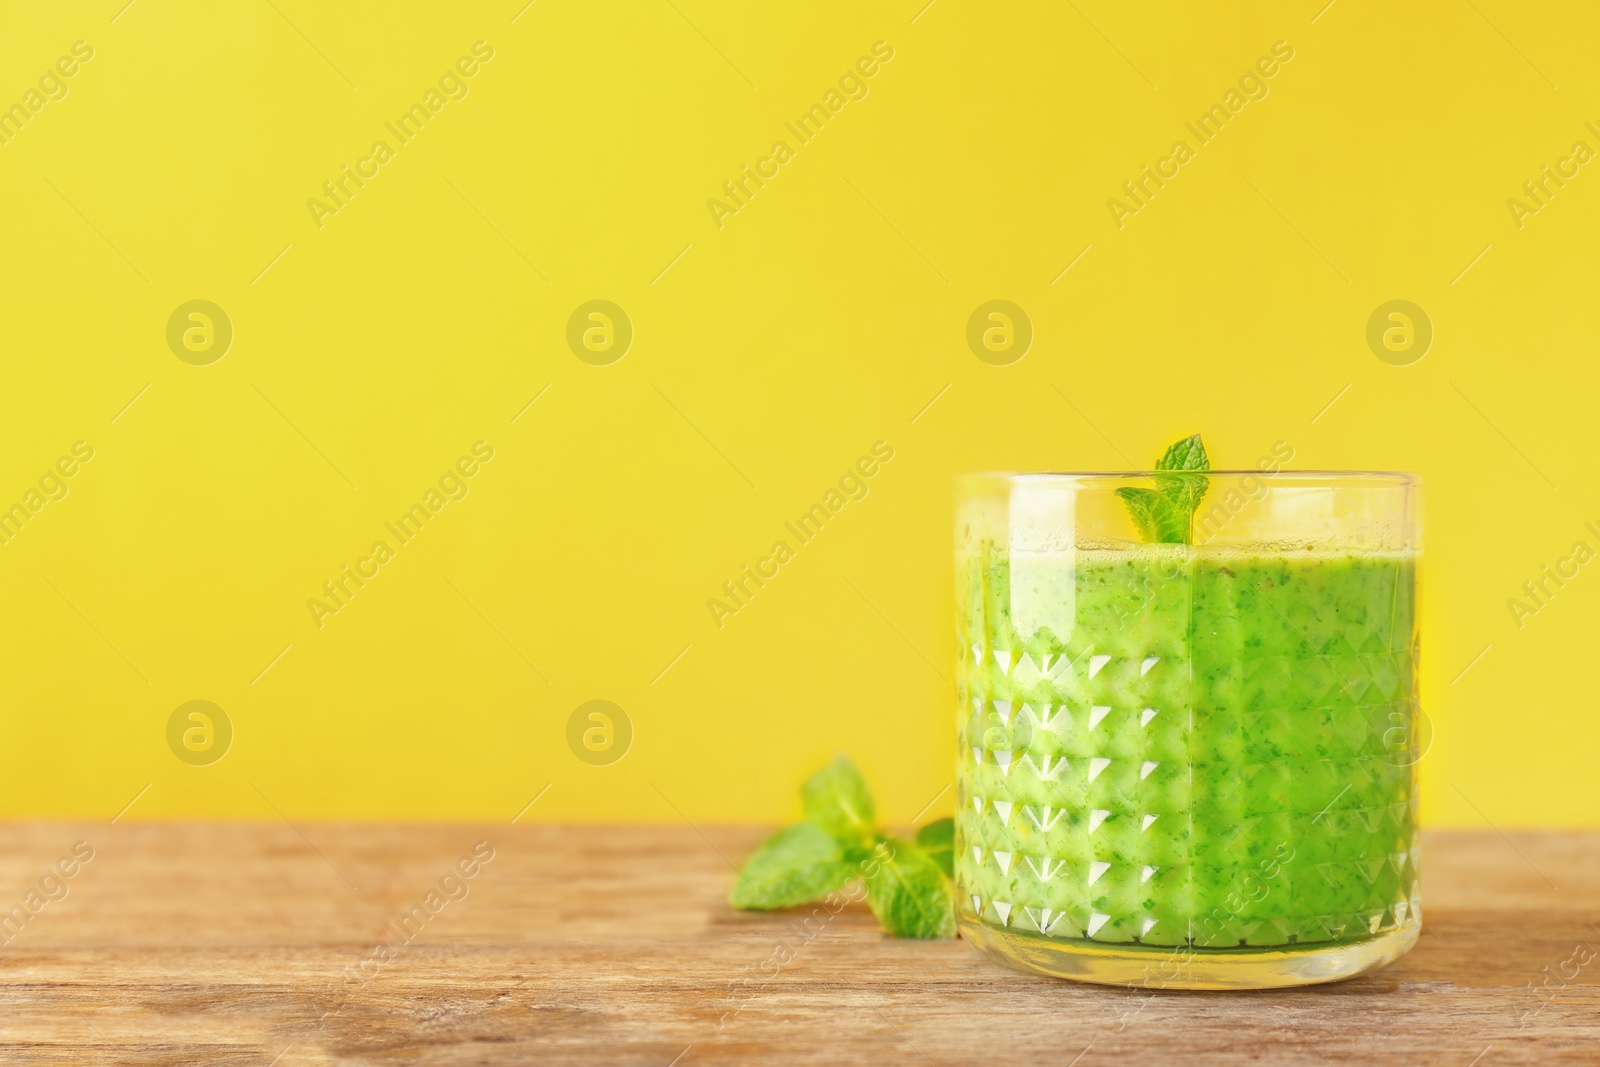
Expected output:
(1165, 514)
(907, 884)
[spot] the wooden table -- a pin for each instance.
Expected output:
(253, 944)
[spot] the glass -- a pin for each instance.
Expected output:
(1189, 765)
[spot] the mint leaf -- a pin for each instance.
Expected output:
(1147, 507)
(1164, 514)
(1183, 493)
(908, 892)
(836, 799)
(938, 840)
(1188, 454)
(794, 866)
(1160, 514)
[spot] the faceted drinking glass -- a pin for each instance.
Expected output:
(1189, 764)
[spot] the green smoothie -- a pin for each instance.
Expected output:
(1180, 746)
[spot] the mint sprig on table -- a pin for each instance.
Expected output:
(1165, 514)
(907, 883)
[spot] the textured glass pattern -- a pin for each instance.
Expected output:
(1218, 752)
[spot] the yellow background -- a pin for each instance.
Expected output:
(821, 318)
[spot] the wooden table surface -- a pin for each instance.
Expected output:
(258, 944)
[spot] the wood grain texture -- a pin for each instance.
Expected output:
(245, 944)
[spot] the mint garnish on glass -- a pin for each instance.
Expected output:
(907, 884)
(1165, 514)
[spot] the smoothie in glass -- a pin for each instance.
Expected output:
(1177, 749)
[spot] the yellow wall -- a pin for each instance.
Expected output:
(767, 357)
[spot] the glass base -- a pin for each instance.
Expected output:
(1165, 967)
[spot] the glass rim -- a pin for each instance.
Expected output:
(1395, 477)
